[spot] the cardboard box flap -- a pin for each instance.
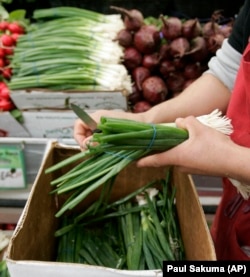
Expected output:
(194, 228)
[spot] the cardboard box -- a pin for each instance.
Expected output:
(32, 247)
(93, 100)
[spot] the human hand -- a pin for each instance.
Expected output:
(203, 152)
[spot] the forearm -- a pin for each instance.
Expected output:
(201, 97)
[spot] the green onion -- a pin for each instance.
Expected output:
(71, 49)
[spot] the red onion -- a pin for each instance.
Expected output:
(139, 74)
(172, 27)
(154, 89)
(141, 106)
(133, 19)
(132, 58)
(147, 39)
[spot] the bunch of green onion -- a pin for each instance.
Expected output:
(72, 49)
(136, 232)
(119, 142)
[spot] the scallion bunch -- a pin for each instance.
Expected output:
(71, 49)
(136, 232)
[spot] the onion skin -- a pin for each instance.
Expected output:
(154, 90)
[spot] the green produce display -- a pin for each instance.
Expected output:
(70, 49)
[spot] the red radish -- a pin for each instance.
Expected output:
(179, 46)
(5, 93)
(14, 27)
(151, 61)
(7, 72)
(2, 63)
(139, 74)
(124, 38)
(191, 28)
(175, 81)
(141, 106)
(133, 19)
(147, 39)
(2, 53)
(7, 40)
(6, 105)
(8, 51)
(154, 89)
(3, 25)
(172, 27)
(15, 37)
(132, 58)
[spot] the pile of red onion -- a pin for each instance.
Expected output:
(165, 58)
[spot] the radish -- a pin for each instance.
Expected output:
(3, 25)
(154, 89)
(14, 27)
(6, 105)
(7, 40)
